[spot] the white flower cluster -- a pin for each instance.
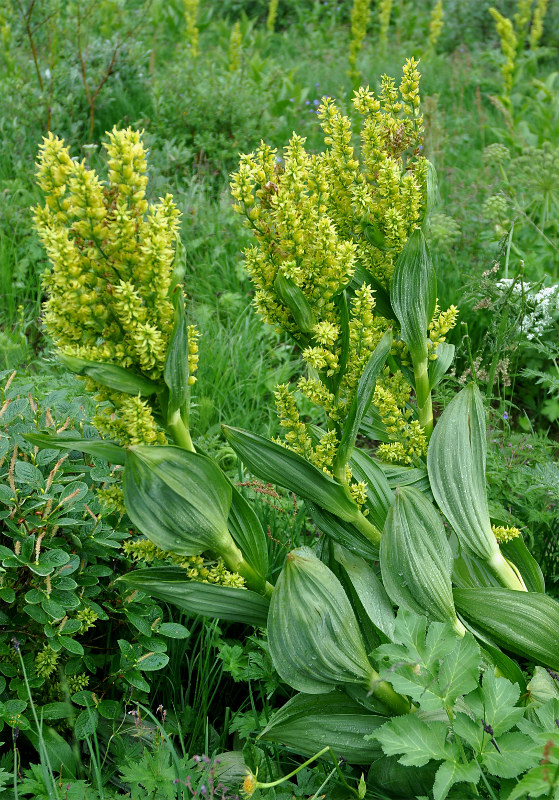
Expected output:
(541, 306)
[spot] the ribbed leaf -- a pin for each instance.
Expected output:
(176, 364)
(416, 559)
(178, 499)
(340, 301)
(306, 724)
(102, 448)
(292, 297)
(343, 533)
(526, 623)
(246, 530)
(379, 494)
(313, 635)
(517, 552)
(407, 476)
(171, 585)
(456, 465)
(368, 588)
(362, 400)
(276, 464)
(413, 293)
(117, 378)
(439, 367)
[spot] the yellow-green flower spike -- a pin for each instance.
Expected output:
(112, 263)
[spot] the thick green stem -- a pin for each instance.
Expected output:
(506, 573)
(234, 561)
(370, 531)
(423, 395)
(180, 432)
(396, 703)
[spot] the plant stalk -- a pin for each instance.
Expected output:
(180, 432)
(383, 691)
(235, 562)
(509, 576)
(423, 395)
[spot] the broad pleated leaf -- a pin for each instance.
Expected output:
(416, 559)
(526, 623)
(456, 465)
(171, 585)
(176, 364)
(246, 530)
(292, 297)
(439, 367)
(397, 475)
(178, 499)
(362, 399)
(368, 588)
(343, 533)
(117, 378)
(517, 552)
(379, 494)
(276, 464)
(307, 723)
(413, 293)
(313, 635)
(101, 448)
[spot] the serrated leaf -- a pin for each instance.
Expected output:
(86, 723)
(515, 755)
(415, 741)
(109, 709)
(451, 772)
(134, 678)
(495, 703)
(459, 671)
(534, 784)
(71, 645)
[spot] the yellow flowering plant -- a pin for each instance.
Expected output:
(339, 264)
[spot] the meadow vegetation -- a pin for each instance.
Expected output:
(279, 399)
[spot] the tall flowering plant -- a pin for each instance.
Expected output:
(339, 262)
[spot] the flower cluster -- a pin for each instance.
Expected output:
(408, 442)
(112, 262)
(192, 33)
(196, 568)
(435, 25)
(509, 44)
(505, 534)
(540, 306)
(332, 224)
(360, 14)
(384, 13)
(235, 48)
